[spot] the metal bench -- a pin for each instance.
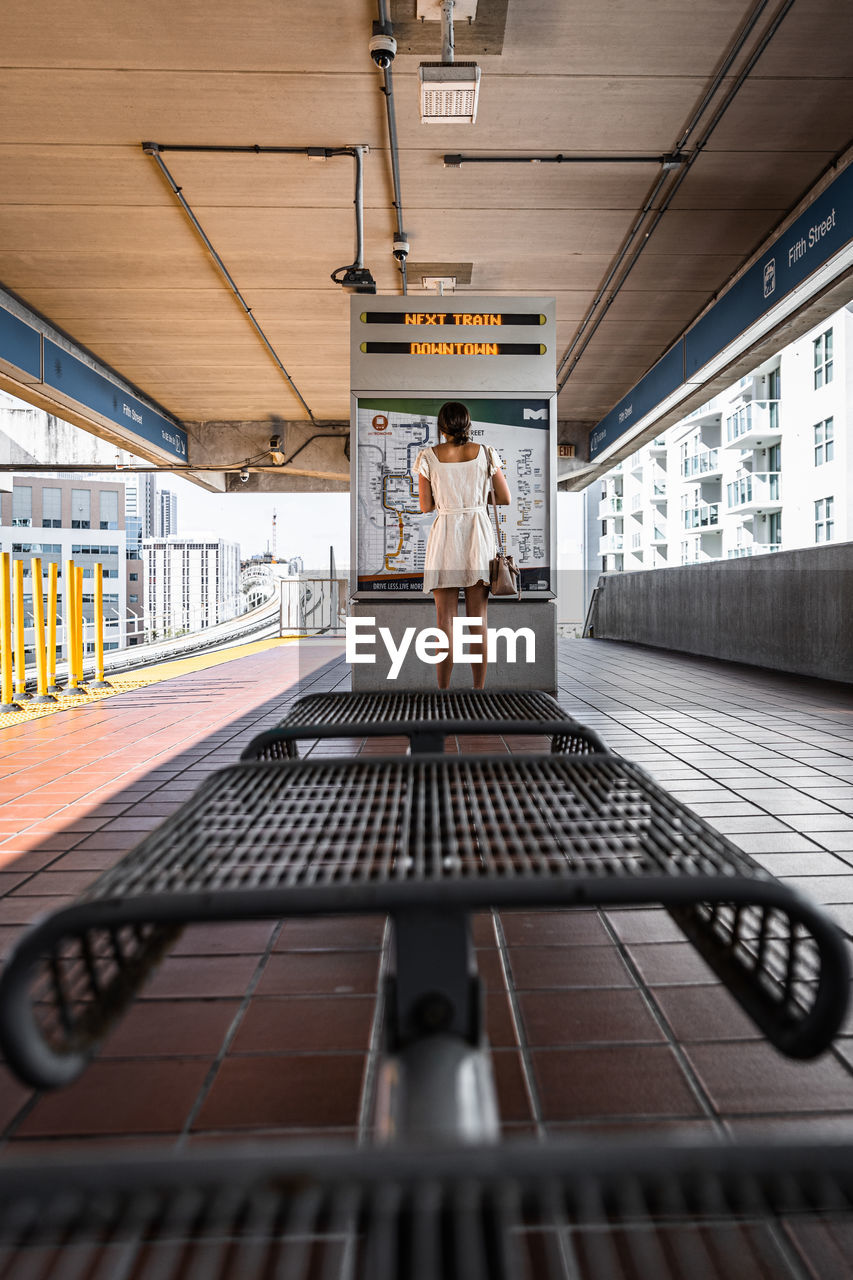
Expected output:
(603, 1211)
(428, 839)
(426, 719)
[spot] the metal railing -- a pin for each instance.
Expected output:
(313, 606)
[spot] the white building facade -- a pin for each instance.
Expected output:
(765, 466)
(191, 583)
(60, 518)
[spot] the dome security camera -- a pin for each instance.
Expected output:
(244, 474)
(383, 50)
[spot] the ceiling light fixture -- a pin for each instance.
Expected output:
(449, 90)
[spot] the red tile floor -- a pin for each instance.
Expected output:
(600, 1021)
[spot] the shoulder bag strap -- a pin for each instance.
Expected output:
(499, 542)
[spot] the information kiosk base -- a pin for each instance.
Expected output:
(534, 665)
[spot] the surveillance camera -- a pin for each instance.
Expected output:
(383, 50)
(244, 474)
(401, 248)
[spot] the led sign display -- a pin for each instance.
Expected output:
(467, 319)
(453, 348)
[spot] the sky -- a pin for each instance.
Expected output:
(307, 524)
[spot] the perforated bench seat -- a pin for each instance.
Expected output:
(406, 834)
(604, 1211)
(426, 719)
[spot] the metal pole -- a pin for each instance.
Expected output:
(52, 610)
(72, 689)
(20, 658)
(447, 49)
(153, 150)
(42, 694)
(99, 682)
(6, 669)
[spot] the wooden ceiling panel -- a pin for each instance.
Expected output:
(193, 34)
(815, 39)
(558, 113)
(577, 38)
(786, 115)
(205, 107)
(725, 180)
(93, 238)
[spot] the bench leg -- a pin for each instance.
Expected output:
(437, 1081)
(422, 744)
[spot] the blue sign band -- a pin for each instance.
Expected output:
(78, 381)
(20, 345)
(821, 231)
(811, 240)
(662, 379)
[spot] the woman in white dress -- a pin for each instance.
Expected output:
(453, 481)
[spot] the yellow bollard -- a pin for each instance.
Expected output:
(41, 694)
(72, 689)
(21, 694)
(6, 670)
(99, 682)
(79, 610)
(52, 610)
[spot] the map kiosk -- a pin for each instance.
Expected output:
(409, 356)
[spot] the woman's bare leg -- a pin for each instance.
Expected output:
(446, 601)
(476, 606)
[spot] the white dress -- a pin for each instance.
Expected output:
(462, 538)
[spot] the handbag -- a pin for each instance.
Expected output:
(504, 573)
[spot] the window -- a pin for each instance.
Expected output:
(774, 527)
(51, 508)
(824, 523)
(133, 599)
(109, 509)
(81, 512)
(824, 441)
(134, 577)
(22, 505)
(822, 359)
(740, 422)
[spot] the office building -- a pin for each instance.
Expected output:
(191, 583)
(58, 518)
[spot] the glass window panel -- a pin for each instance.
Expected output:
(109, 509)
(81, 508)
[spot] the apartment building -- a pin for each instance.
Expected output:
(191, 583)
(764, 466)
(59, 519)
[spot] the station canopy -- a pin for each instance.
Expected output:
(627, 158)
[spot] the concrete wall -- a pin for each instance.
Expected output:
(791, 611)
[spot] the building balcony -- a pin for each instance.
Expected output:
(635, 463)
(658, 446)
(611, 544)
(609, 507)
(704, 515)
(754, 549)
(658, 536)
(705, 462)
(753, 425)
(755, 491)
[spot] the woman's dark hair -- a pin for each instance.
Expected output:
(454, 421)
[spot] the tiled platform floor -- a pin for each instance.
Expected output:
(599, 1021)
